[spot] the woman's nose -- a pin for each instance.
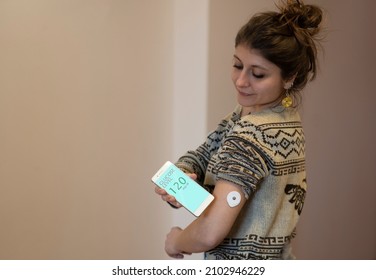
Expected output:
(243, 80)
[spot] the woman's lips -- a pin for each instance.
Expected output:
(244, 94)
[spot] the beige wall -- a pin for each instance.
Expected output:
(91, 102)
(85, 105)
(339, 116)
(338, 221)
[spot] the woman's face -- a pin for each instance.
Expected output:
(258, 81)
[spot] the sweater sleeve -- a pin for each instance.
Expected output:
(241, 163)
(196, 161)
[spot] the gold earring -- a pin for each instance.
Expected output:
(287, 100)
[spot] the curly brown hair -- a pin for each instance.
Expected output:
(288, 38)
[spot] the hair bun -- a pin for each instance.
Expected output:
(301, 16)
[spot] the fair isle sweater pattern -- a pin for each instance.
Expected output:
(264, 153)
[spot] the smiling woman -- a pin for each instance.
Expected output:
(258, 81)
(258, 150)
(289, 39)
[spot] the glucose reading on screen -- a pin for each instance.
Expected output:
(186, 191)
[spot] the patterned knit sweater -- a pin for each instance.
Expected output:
(264, 154)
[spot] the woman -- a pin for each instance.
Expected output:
(257, 151)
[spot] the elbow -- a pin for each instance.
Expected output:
(210, 241)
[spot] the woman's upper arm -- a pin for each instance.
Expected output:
(220, 216)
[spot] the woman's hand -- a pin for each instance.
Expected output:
(169, 198)
(170, 244)
(166, 197)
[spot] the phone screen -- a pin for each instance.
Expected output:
(186, 191)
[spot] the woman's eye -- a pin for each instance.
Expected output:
(258, 76)
(238, 66)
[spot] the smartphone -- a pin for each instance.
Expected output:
(186, 190)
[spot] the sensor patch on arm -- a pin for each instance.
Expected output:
(233, 199)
